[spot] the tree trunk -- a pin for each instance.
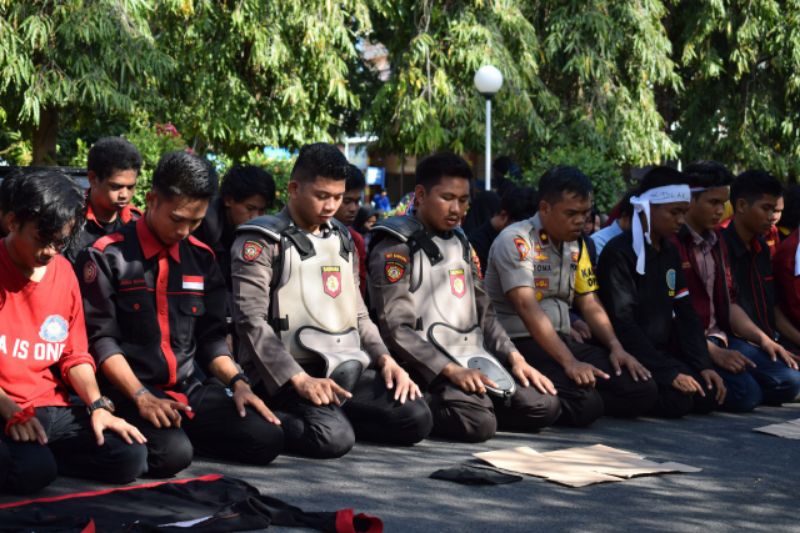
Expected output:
(44, 138)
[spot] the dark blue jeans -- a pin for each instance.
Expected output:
(71, 450)
(770, 382)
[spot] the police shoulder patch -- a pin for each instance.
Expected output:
(89, 271)
(523, 248)
(251, 250)
(394, 270)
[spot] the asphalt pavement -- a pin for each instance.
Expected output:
(749, 482)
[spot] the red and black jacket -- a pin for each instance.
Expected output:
(724, 287)
(92, 229)
(162, 308)
(752, 274)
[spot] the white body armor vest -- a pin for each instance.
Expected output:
(314, 299)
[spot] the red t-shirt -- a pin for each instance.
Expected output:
(41, 325)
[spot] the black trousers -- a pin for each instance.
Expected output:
(672, 403)
(329, 431)
(216, 431)
(618, 396)
(468, 417)
(71, 450)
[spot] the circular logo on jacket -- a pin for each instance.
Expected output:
(671, 279)
(54, 329)
(89, 271)
(251, 250)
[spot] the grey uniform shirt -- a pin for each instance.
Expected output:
(261, 353)
(395, 307)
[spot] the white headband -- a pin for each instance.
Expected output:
(641, 204)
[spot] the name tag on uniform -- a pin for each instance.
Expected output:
(193, 283)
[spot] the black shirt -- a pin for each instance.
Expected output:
(92, 229)
(219, 236)
(652, 314)
(752, 275)
(481, 240)
(162, 308)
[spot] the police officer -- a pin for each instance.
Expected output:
(537, 269)
(306, 339)
(431, 308)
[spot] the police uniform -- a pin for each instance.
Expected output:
(163, 309)
(525, 256)
(297, 301)
(420, 282)
(92, 229)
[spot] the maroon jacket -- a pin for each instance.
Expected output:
(724, 289)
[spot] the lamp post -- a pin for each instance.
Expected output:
(488, 81)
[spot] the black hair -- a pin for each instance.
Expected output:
(520, 203)
(320, 159)
(625, 207)
(244, 181)
(184, 174)
(49, 198)
(433, 168)
(355, 181)
(5, 191)
(751, 185)
(662, 176)
(364, 214)
(484, 206)
(707, 175)
(791, 210)
(110, 154)
(559, 180)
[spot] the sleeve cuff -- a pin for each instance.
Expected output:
(104, 348)
(74, 360)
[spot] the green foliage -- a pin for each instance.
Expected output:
(604, 83)
(279, 169)
(609, 185)
(99, 57)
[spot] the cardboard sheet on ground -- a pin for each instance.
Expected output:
(579, 467)
(787, 430)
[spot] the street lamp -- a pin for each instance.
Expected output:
(488, 81)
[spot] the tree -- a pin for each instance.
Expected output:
(92, 58)
(576, 74)
(254, 73)
(740, 62)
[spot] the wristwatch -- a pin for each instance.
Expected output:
(240, 376)
(103, 402)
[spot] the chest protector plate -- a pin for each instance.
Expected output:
(314, 302)
(444, 297)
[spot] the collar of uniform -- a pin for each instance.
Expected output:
(709, 239)
(325, 229)
(125, 214)
(536, 222)
(736, 245)
(151, 245)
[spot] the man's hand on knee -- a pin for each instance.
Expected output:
(319, 391)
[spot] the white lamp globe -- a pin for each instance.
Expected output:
(488, 80)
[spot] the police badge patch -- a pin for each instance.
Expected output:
(332, 281)
(251, 250)
(394, 271)
(522, 248)
(54, 329)
(458, 283)
(89, 271)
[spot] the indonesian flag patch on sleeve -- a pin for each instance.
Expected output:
(193, 283)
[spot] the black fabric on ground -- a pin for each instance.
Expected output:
(467, 474)
(223, 504)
